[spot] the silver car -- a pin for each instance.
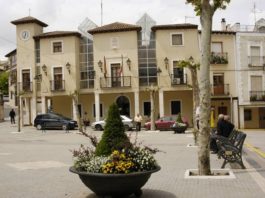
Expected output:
(128, 124)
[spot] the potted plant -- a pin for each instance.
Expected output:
(179, 126)
(115, 166)
(253, 98)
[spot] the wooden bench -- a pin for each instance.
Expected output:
(230, 149)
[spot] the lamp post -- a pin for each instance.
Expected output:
(68, 67)
(129, 62)
(166, 61)
(100, 65)
(44, 69)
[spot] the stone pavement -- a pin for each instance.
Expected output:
(35, 165)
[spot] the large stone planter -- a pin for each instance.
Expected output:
(178, 129)
(115, 185)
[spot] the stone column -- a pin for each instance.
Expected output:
(241, 117)
(74, 110)
(161, 103)
(43, 104)
(97, 106)
(136, 103)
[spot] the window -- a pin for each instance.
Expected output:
(37, 51)
(114, 42)
(217, 47)
(147, 108)
(58, 78)
(255, 58)
(57, 47)
(178, 73)
(177, 39)
(101, 110)
(175, 107)
(247, 115)
(26, 84)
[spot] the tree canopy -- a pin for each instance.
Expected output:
(4, 82)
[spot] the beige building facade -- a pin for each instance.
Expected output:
(119, 63)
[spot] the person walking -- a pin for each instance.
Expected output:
(12, 115)
(138, 119)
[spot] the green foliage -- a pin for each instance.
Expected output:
(179, 118)
(114, 137)
(217, 4)
(4, 83)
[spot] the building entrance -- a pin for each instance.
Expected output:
(124, 105)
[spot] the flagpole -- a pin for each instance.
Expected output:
(101, 8)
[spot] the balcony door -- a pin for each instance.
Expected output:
(58, 78)
(116, 75)
(178, 74)
(255, 56)
(218, 84)
(26, 80)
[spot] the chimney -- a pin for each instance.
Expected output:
(237, 27)
(223, 24)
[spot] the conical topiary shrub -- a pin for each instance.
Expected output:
(114, 137)
(179, 118)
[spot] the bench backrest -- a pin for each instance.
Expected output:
(239, 139)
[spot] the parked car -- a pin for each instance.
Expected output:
(128, 124)
(163, 123)
(54, 121)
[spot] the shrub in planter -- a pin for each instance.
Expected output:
(114, 136)
(116, 167)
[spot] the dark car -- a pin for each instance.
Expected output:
(54, 121)
(163, 123)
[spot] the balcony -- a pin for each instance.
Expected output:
(220, 90)
(25, 86)
(219, 58)
(86, 84)
(115, 82)
(178, 79)
(257, 96)
(256, 61)
(57, 85)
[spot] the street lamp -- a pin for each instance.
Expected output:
(68, 67)
(129, 63)
(100, 65)
(166, 62)
(44, 69)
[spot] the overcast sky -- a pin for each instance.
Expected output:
(68, 14)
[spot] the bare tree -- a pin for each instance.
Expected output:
(193, 67)
(75, 98)
(205, 9)
(152, 90)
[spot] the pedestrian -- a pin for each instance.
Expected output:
(12, 115)
(86, 121)
(227, 126)
(198, 117)
(220, 131)
(138, 119)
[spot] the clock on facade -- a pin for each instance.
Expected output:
(25, 35)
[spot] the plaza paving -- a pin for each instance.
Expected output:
(35, 165)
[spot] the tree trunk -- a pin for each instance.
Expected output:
(80, 124)
(196, 100)
(204, 84)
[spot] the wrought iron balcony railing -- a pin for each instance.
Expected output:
(115, 82)
(178, 79)
(25, 86)
(219, 58)
(57, 85)
(220, 90)
(257, 96)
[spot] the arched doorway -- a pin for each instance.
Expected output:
(124, 105)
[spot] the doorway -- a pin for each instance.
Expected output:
(218, 84)
(123, 105)
(262, 117)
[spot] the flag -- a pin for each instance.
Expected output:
(105, 67)
(121, 68)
